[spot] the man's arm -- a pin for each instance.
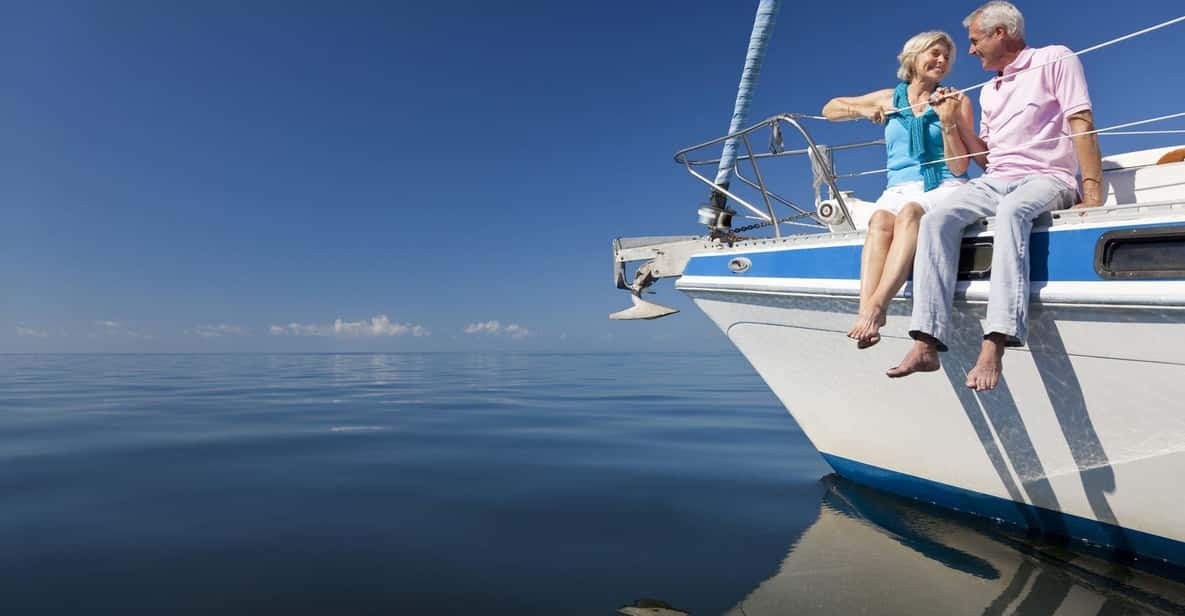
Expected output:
(974, 144)
(1090, 161)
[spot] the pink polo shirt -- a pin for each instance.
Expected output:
(1033, 106)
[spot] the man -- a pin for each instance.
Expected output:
(1020, 183)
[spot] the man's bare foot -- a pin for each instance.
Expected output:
(866, 330)
(923, 357)
(986, 373)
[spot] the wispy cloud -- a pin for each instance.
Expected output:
(494, 328)
(217, 331)
(516, 331)
(21, 330)
(118, 328)
(377, 327)
(488, 327)
(296, 329)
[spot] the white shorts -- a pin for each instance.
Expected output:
(895, 197)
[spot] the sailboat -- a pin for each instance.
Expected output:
(1084, 438)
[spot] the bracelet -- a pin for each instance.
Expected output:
(1095, 180)
(947, 129)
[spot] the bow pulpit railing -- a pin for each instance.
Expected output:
(820, 216)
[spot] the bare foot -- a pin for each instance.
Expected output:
(866, 329)
(986, 373)
(923, 357)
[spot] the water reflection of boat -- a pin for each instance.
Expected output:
(872, 552)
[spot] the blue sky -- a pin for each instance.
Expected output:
(229, 176)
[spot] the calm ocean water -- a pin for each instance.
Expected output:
(475, 483)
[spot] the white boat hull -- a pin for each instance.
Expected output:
(1084, 437)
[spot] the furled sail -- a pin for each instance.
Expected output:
(763, 30)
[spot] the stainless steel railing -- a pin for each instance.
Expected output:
(822, 168)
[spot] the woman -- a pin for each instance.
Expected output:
(912, 140)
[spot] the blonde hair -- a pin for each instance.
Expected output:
(919, 43)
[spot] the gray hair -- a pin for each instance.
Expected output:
(998, 14)
(919, 43)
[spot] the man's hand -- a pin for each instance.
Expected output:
(1091, 194)
(946, 103)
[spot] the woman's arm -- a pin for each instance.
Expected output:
(958, 133)
(871, 106)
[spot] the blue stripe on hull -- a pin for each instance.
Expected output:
(1020, 514)
(1066, 255)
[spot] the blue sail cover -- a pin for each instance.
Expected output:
(763, 29)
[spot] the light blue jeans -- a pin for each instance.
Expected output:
(1015, 204)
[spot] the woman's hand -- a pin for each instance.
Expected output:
(879, 114)
(946, 103)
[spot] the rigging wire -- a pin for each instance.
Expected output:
(1017, 148)
(1113, 41)
(977, 86)
(1146, 132)
(1107, 131)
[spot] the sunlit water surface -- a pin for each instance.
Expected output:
(474, 483)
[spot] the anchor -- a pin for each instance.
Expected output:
(665, 258)
(643, 309)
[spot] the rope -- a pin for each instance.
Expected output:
(1146, 132)
(1017, 148)
(1055, 60)
(1031, 68)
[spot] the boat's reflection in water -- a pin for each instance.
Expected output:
(874, 553)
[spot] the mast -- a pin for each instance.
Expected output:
(714, 214)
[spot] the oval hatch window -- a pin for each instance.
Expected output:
(739, 265)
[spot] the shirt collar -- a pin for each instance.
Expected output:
(1022, 61)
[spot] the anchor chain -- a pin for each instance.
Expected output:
(734, 235)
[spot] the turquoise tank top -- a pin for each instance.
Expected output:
(913, 140)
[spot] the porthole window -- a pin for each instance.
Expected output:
(975, 258)
(1132, 254)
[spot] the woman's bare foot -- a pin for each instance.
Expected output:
(866, 330)
(923, 357)
(986, 373)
